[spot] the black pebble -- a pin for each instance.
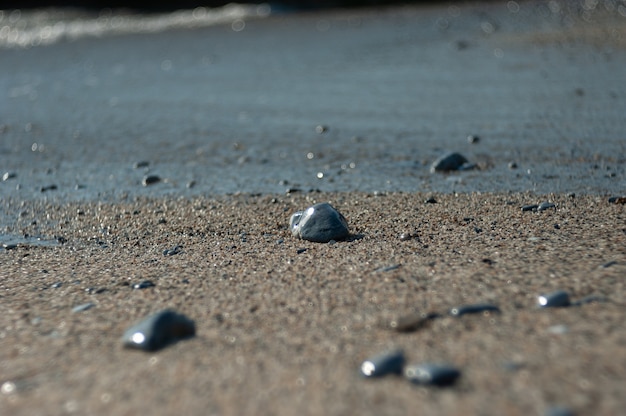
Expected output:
(300, 250)
(144, 285)
(448, 162)
(472, 139)
(141, 164)
(48, 188)
(554, 299)
(150, 180)
(531, 207)
(159, 330)
(431, 201)
(390, 362)
(432, 374)
(477, 308)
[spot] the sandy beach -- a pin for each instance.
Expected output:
(177, 158)
(283, 324)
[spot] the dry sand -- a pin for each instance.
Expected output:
(283, 333)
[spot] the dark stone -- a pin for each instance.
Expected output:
(141, 164)
(448, 162)
(472, 139)
(319, 223)
(144, 285)
(8, 175)
(477, 308)
(431, 201)
(432, 374)
(158, 331)
(559, 298)
(545, 205)
(150, 180)
(413, 322)
(405, 236)
(300, 250)
(49, 188)
(172, 251)
(390, 362)
(617, 200)
(531, 207)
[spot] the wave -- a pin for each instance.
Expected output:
(29, 28)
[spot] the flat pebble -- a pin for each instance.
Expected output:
(83, 307)
(545, 205)
(530, 207)
(558, 298)
(432, 374)
(159, 330)
(390, 362)
(172, 251)
(144, 285)
(319, 223)
(412, 322)
(476, 308)
(448, 162)
(150, 180)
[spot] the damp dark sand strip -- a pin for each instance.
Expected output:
(283, 325)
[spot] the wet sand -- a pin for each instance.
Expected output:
(282, 332)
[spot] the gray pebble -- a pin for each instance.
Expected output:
(150, 180)
(83, 307)
(545, 205)
(531, 207)
(477, 308)
(432, 374)
(473, 139)
(554, 299)
(390, 362)
(413, 322)
(141, 164)
(448, 162)
(159, 330)
(144, 285)
(172, 251)
(320, 223)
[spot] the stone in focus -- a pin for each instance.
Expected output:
(390, 362)
(448, 163)
(559, 298)
(319, 223)
(432, 374)
(158, 331)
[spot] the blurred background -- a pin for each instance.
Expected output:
(159, 5)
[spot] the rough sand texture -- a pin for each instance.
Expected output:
(283, 333)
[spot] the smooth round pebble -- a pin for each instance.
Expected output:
(159, 330)
(432, 374)
(448, 162)
(319, 223)
(555, 299)
(389, 362)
